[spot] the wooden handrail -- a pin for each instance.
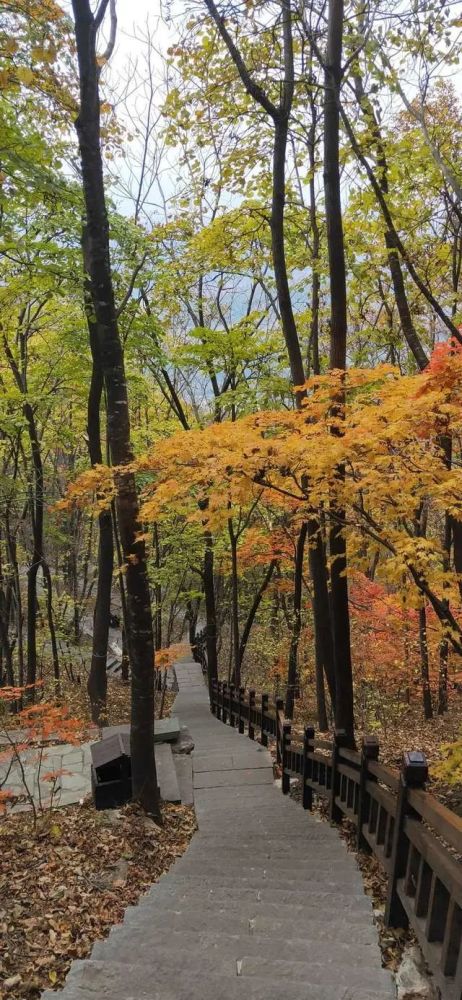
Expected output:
(445, 823)
(412, 835)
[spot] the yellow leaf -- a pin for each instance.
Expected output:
(26, 76)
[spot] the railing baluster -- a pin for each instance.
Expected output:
(369, 751)
(335, 813)
(279, 708)
(307, 791)
(240, 717)
(231, 689)
(251, 711)
(452, 939)
(264, 712)
(414, 774)
(286, 733)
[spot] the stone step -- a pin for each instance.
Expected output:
(303, 849)
(145, 942)
(322, 925)
(313, 973)
(110, 982)
(191, 879)
(228, 779)
(305, 876)
(316, 858)
(310, 839)
(261, 899)
(159, 960)
(233, 761)
(163, 969)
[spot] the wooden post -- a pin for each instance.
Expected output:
(369, 751)
(224, 702)
(214, 698)
(414, 774)
(219, 701)
(307, 791)
(232, 692)
(240, 717)
(286, 732)
(251, 710)
(279, 708)
(335, 814)
(264, 712)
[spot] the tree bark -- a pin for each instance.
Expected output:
(97, 678)
(253, 610)
(236, 663)
(296, 623)
(344, 716)
(144, 778)
(424, 668)
(394, 263)
(210, 611)
(157, 591)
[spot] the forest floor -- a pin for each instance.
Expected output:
(408, 730)
(64, 884)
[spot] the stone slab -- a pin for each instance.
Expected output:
(142, 943)
(107, 984)
(165, 730)
(184, 774)
(226, 779)
(166, 774)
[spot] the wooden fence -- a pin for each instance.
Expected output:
(416, 839)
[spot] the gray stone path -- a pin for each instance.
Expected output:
(266, 903)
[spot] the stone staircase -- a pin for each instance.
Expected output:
(265, 904)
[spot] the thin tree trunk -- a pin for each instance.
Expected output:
(394, 262)
(157, 591)
(344, 716)
(424, 667)
(210, 610)
(51, 625)
(253, 610)
(144, 778)
(97, 678)
(123, 602)
(236, 663)
(324, 647)
(296, 623)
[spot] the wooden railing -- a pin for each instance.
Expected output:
(416, 839)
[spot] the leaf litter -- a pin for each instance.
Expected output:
(65, 885)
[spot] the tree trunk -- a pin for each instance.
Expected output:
(157, 591)
(253, 610)
(278, 252)
(97, 678)
(394, 262)
(344, 716)
(210, 611)
(424, 669)
(296, 624)
(144, 778)
(236, 663)
(324, 647)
